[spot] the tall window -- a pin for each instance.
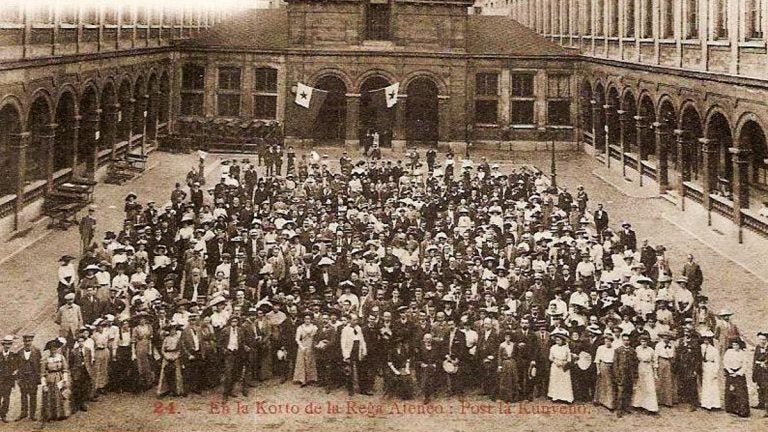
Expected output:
(68, 14)
(555, 12)
(265, 98)
(566, 17)
(648, 19)
(11, 12)
(192, 89)
(110, 15)
(629, 19)
(668, 19)
(691, 19)
(599, 17)
(487, 98)
(228, 97)
(720, 19)
(377, 20)
(559, 100)
(613, 14)
(523, 99)
(588, 18)
(575, 15)
(754, 19)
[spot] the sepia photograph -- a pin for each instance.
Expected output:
(383, 215)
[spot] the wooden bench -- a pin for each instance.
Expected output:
(137, 162)
(119, 172)
(63, 214)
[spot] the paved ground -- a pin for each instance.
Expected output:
(27, 283)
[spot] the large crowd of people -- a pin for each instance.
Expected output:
(415, 278)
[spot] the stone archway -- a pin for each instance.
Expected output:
(125, 113)
(752, 138)
(39, 124)
(422, 118)
(10, 139)
(689, 151)
(719, 132)
(598, 117)
(65, 143)
(373, 117)
(646, 117)
(108, 118)
(153, 105)
(586, 107)
(90, 133)
(138, 116)
(331, 123)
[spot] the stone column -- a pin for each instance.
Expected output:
(48, 139)
(662, 168)
(641, 124)
(91, 127)
(740, 185)
(127, 118)
(624, 123)
(75, 143)
(684, 171)
(353, 113)
(142, 101)
(610, 120)
(399, 140)
(19, 153)
(444, 130)
(708, 174)
(598, 131)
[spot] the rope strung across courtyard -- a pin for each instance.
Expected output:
(405, 277)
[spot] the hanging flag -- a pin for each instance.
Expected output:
(391, 94)
(312, 99)
(303, 95)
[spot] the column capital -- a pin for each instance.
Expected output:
(679, 133)
(608, 107)
(740, 154)
(660, 127)
(593, 103)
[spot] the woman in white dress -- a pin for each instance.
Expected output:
(710, 372)
(560, 387)
(305, 371)
(644, 395)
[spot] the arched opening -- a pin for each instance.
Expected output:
(630, 131)
(89, 132)
(9, 142)
(600, 120)
(331, 121)
(421, 112)
(719, 131)
(612, 118)
(586, 107)
(165, 98)
(64, 148)
(39, 126)
(373, 116)
(139, 107)
(690, 124)
(109, 106)
(753, 138)
(153, 102)
(125, 112)
(668, 119)
(646, 141)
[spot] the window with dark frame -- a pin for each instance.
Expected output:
(629, 19)
(669, 19)
(754, 19)
(599, 16)
(265, 97)
(487, 98)
(614, 18)
(692, 19)
(377, 20)
(523, 99)
(192, 89)
(648, 19)
(588, 18)
(720, 24)
(559, 100)
(228, 95)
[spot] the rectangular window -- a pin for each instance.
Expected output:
(566, 17)
(522, 85)
(265, 98)
(522, 112)
(720, 20)
(377, 20)
(692, 19)
(126, 15)
(68, 14)
(588, 18)
(228, 97)
(192, 89)
(614, 17)
(486, 98)
(555, 17)
(110, 15)
(668, 22)
(599, 17)
(559, 100)
(11, 12)
(754, 19)
(648, 19)
(523, 99)
(629, 19)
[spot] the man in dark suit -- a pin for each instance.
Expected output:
(234, 344)
(600, 217)
(79, 370)
(192, 355)
(627, 236)
(487, 353)
(687, 366)
(194, 287)
(28, 376)
(624, 372)
(527, 350)
(373, 361)
(327, 349)
(692, 271)
(90, 306)
(456, 351)
(7, 375)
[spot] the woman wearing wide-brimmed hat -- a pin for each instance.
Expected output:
(710, 372)
(56, 381)
(560, 387)
(141, 339)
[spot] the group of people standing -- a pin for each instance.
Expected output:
(379, 275)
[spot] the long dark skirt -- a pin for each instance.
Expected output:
(122, 372)
(583, 383)
(736, 395)
(509, 388)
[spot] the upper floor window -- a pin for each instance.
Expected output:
(487, 98)
(629, 19)
(228, 98)
(668, 19)
(11, 12)
(377, 20)
(559, 100)
(647, 19)
(192, 89)
(691, 14)
(720, 19)
(599, 17)
(265, 96)
(754, 19)
(523, 99)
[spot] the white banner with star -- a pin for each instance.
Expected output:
(303, 95)
(391, 94)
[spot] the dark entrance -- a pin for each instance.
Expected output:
(373, 116)
(421, 113)
(330, 124)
